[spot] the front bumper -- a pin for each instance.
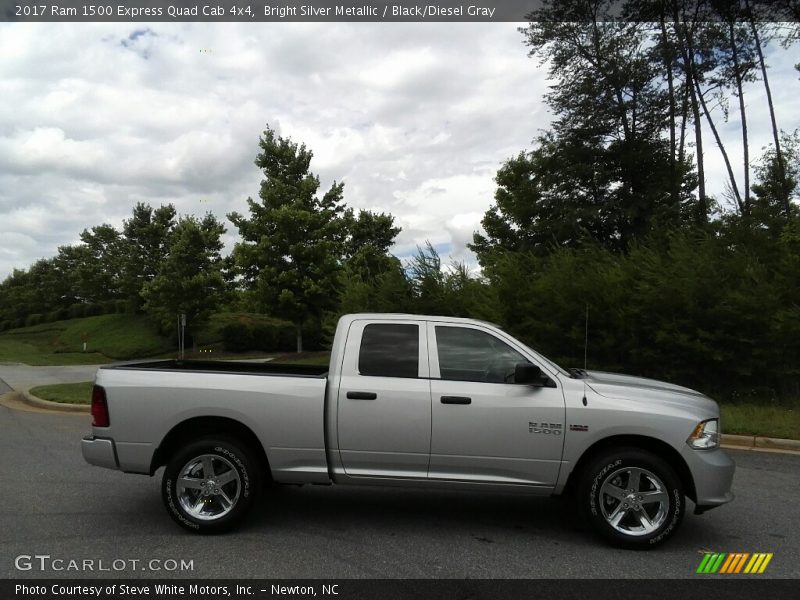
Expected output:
(712, 472)
(99, 452)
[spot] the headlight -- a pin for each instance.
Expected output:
(705, 436)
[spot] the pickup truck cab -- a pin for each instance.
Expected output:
(414, 400)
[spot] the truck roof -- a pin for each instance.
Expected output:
(392, 316)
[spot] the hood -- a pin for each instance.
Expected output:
(628, 387)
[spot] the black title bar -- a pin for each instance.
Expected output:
(386, 11)
(705, 587)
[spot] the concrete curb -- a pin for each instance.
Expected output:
(757, 442)
(56, 406)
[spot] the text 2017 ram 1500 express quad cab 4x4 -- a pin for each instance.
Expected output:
(414, 400)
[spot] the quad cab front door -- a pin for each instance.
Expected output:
(485, 427)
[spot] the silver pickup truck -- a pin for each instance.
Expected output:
(414, 400)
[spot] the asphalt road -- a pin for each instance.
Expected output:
(52, 503)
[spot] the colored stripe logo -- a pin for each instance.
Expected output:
(734, 562)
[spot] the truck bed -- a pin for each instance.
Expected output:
(283, 405)
(225, 366)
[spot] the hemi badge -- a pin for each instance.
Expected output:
(578, 427)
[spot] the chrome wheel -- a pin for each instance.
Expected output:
(208, 487)
(634, 501)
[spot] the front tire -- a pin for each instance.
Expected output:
(632, 498)
(209, 485)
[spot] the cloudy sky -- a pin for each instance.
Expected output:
(414, 117)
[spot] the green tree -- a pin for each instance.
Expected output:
(37, 290)
(571, 189)
(96, 265)
(778, 182)
(368, 240)
(606, 170)
(16, 296)
(189, 279)
(450, 290)
(145, 246)
(292, 242)
(427, 281)
(713, 310)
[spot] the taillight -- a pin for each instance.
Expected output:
(99, 407)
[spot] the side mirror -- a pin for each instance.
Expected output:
(529, 374)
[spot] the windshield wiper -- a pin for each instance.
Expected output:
(578, 373)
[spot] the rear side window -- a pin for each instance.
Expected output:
(389, 350)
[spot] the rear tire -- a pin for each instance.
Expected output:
(631, 497)
(210, 484)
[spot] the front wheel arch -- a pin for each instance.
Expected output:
(650, 444)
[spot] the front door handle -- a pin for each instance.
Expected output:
(361, 395)
(456, 400)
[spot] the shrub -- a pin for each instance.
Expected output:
(312, 336)
(264, 336)
(34, 319)
(91, 310)
(249, 333)
(287, 338)
(237, 337)
(76, 311)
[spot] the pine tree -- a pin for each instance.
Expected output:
(292, 241)
(188, 280)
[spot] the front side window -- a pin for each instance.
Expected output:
(473, 355)
(389, 350)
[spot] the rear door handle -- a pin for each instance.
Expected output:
(361, 395)
(456, 400)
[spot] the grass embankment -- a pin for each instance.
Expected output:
(108, 338)
(766, 420)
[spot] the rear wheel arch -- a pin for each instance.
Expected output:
(656, 446)
(195, 428)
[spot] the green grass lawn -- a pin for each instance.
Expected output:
(69, 393)
(767, 420)
(108, 338)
